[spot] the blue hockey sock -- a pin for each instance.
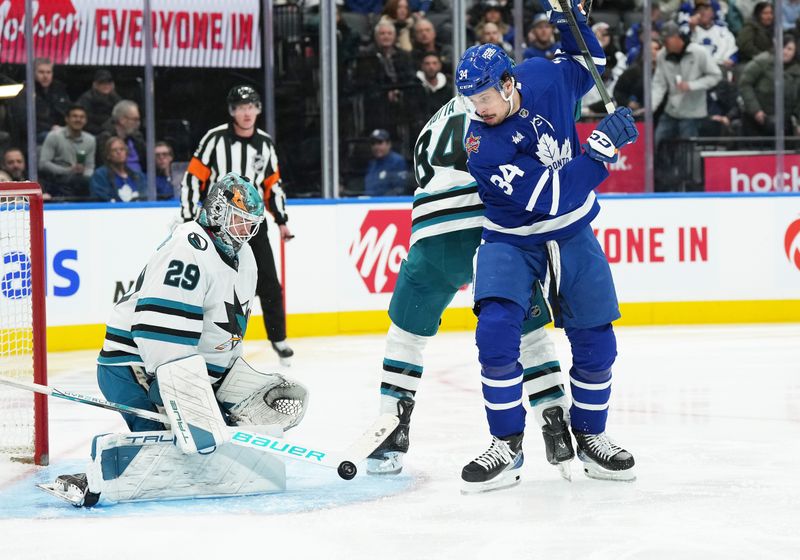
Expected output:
(590, 395)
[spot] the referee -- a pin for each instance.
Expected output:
(240, 147)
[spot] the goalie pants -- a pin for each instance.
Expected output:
(125, 385)
(268, 288)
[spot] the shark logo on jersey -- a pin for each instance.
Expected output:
(517, 138)
(547, 149)
(472, 143)
(238, 315)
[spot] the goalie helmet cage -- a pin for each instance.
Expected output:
(23, 352)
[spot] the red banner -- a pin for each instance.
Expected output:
(752, 173)
(627, 175)
(197, 33)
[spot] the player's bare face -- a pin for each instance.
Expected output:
(490, 106)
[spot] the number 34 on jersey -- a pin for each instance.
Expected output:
(509, 171)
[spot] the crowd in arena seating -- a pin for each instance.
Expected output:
(712, 77)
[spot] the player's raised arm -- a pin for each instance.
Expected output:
(569, 45)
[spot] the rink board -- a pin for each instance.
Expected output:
(675, 260)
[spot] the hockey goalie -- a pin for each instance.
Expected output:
(174, 345)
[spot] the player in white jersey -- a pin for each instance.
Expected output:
(447, 219)
(176, 337)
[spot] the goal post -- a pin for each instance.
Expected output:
(23, 341)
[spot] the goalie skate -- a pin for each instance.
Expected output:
(497, 467)
(388, 457)
(72, 488)
(557, 441)
(603, 459)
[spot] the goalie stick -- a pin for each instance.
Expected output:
(344, 462)
(566, 8)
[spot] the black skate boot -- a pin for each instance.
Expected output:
(284, 352)
(557, 440)
(388, 457)
(73, 488)
(497, 467)
(603, 459)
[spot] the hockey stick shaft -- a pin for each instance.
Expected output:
(587, 56)
(344, 463)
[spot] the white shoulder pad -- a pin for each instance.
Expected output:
(190, 404)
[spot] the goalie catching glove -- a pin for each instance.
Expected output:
(612, 133)
(257, 398)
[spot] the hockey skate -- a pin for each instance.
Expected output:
(603, 459)
(557, 441)
(284, 352)
(73, 488)
(388, 457)
(497, 467)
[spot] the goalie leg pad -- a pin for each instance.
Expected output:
(257, 398)
(148, 466)
(190, 404)
(543, 379)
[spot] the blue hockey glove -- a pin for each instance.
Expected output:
(557, 16)
(612, 133)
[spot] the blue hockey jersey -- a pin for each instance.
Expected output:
(532, 176)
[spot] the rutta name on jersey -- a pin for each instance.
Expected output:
(654, 244)
(380, 247)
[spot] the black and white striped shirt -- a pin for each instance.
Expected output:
(221, 151)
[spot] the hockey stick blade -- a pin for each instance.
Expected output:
(240, 436)
(566, 8)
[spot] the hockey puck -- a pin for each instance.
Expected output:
(347, 470)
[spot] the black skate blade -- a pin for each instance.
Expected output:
(504, 480)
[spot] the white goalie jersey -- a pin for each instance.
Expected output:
(446, 198)
(188, 300)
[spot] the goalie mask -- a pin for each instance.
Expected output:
(232, 211)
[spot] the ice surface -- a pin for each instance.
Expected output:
(712, 415)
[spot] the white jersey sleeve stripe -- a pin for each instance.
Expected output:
(537, 190)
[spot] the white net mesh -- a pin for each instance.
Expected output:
(16, 325)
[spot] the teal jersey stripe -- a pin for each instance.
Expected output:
(395, 394)
(452, 189)
(547, 365)
(161, 337)
(547, 398)
(215, 369)
(171, 304)
(446, 218)
(119, 360)
(119, 332)
(403, 365)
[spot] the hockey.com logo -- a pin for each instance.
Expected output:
(380, 247)
(791, 243)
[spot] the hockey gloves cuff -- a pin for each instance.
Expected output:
(557, 15)
(612, 133)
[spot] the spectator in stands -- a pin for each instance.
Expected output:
(711, 32)
(364, 6)
(493, 13)
(383, 74)
(425, 42)
(66, 162)
(116, 181)
(634, 35)
(684, 73)
(397, 13)
(436, 88)
(489, 33)
(52, 101)
(629, 90)
(387, 172)
(124, 124)
(757, 88)
(4, 177)
(165, 189)
(541, 39)
(99, 100)
(791, 11)
(756, 35)
(615, 66)
(14, 164)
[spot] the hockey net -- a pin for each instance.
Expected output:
(23, 354)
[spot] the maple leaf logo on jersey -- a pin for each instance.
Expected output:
(472, 144)
(547, 149)
(238, 315)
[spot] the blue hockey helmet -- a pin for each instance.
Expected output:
(233, 210)
(482, 67)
